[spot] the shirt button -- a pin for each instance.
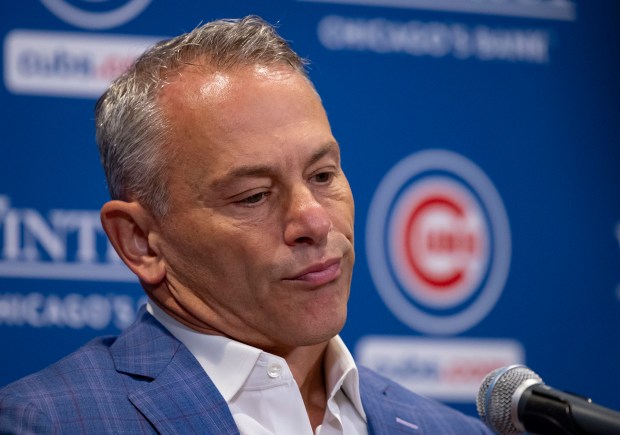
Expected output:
(274, 370)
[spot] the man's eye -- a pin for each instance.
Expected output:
(253, 199)
(323, 177)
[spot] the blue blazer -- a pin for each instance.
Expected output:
(146, 381)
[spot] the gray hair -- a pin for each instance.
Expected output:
(131, 129)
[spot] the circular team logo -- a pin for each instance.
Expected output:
(438, 242)
(96, 14)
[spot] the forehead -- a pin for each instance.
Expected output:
(197, 81)
(225, 118)
(232, 97)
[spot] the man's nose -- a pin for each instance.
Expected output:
(306, 219)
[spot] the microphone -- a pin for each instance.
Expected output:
(514, 399)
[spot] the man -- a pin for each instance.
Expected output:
(230, 205)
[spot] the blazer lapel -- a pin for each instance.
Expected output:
(385, 415)
(171, 389)
(392, 409)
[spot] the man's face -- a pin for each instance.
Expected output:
(258, 245)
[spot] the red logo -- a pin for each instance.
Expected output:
(438, 242)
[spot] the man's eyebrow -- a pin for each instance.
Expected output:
(245, 171)
(330, 147)
(248, 171)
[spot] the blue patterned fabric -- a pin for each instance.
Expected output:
(392, 409)
(146, 381)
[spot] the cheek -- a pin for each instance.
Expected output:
(190, 248)
(344, 203)
(343, 216)
(216, 253)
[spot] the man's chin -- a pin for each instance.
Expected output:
(323, 330)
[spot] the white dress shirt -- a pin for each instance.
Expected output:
(259, 388)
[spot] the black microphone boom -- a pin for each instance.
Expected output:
(514, 399)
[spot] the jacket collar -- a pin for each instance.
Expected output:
(386, 413)
(175, 394)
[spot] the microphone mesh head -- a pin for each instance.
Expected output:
(495, 395)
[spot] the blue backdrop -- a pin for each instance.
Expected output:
(481, 140)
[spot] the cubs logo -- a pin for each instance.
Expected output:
(438, 242)
(100, 14)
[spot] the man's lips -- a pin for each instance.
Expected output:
(319, 273)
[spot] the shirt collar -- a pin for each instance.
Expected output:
(229, 362)
(341, 372)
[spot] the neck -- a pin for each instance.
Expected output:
(306, 364)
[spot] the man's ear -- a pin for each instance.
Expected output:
(132, 231)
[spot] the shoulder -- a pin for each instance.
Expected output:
(29, 402)
(82, 391)
(388, 403)
(72, 370)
